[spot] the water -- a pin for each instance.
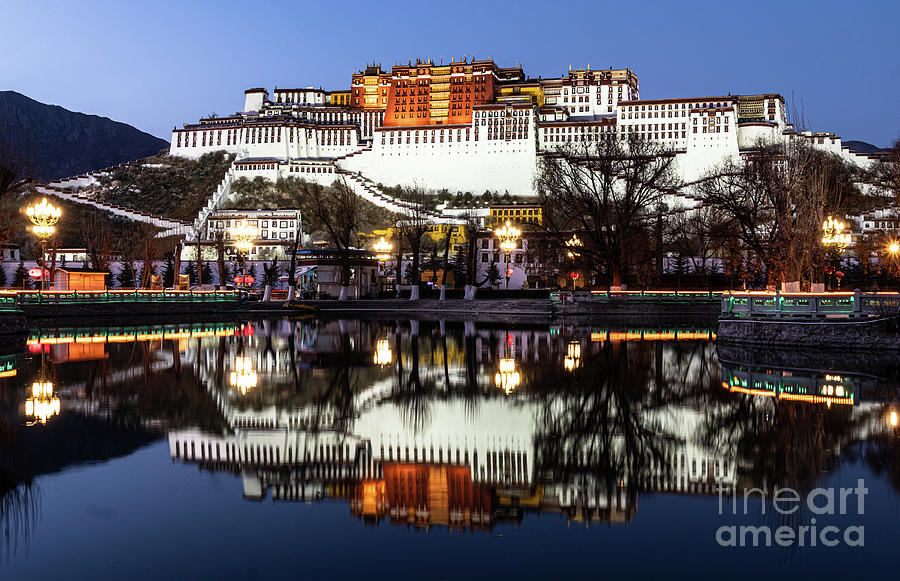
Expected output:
(385, 449)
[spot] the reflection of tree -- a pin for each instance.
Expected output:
(415, 394)
(779, 443)
(882, 454)
(597, 428)
(19, 508)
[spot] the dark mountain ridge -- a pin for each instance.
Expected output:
(62, 143)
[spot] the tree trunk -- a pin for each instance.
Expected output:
(470, 292)
(414, 292)
(291, 293)
(177, 265)
(446, 262)
(267, 293)
(345, 292)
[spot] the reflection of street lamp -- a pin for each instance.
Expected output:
(243, 377)
(572, 360)
(508, 234)
(892, 419)
(43, 403)
(244, 234)
(382, 250)
(383, 353)
(44, 217)
(507, 378)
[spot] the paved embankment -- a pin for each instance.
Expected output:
(507, 310)
(872, 333)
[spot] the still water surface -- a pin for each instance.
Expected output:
(360, 449)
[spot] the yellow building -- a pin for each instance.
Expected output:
(515, 213)
(339, 98)
(532, 90)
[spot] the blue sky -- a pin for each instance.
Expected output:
(163, 63)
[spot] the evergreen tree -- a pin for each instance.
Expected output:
(493, 274)
(19, 276)
(207, 273)
(125, 276)
(169, 273)
(190, 269)
(251, 271)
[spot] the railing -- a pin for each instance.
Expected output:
(121, 296)
(8, 301)
(637, 297)
(855, 304)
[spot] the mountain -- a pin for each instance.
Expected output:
(862, 147)
(63, 143)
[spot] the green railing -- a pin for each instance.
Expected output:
(28, 298)
(8, 301)
(855, 304)
(637, 297)
(7, 365)
(131, 333)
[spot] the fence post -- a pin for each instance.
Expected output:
(857, 303)
(777, 303)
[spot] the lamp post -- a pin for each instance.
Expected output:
(382, 250)
(244, 234)
(573, 243)
(44, 217)
(893, 249)
(834, 239)
(508, 235)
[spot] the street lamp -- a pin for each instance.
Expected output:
(243, 377)
(893, 249)
(43, 216)
(382, 250)
(834, 238)
(832, 233)
(508, 235)
(244, 234)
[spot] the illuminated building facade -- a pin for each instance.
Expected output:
(469, 125)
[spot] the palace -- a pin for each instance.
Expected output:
(470, 125)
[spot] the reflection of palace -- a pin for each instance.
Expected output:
(463, 462)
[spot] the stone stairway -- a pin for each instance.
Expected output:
(215, 200)
(369, 191)
(176, 227)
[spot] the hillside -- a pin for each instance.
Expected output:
(862, 147)
(63, 143)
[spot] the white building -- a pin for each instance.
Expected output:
(474, 130)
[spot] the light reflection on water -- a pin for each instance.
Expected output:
(430, 426)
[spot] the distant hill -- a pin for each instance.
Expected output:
(862, 147)
(64, 143)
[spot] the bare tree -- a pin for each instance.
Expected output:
(335, 209)
(414, 227)
(607, 190)
(885, 171)
(776, 198)
(98, 239)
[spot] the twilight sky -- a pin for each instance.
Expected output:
(164, 63)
